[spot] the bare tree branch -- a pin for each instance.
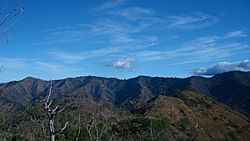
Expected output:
(47, 106)
(40, 122)
(10, 15)
(51, 114)
(79, 124)
(99, 120)
(64, 127)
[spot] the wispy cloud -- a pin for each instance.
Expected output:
(237, 33)
(138, 32)
(150, 55)
(130, 27)
(111, 4)
(67, 57)
(52, 70)
(36, 68)
(192, 21)
(216, 38)
(112, 32)
(13, 63)
(123, 63)
(202, 49)
(134, 13)
(224, 67)
(72, 58)
(125, 43)
(190, 54)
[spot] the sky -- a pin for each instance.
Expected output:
(55, 39)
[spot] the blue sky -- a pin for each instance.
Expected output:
(126, 38)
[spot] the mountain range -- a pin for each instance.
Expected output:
(230, 88)
(192, 108)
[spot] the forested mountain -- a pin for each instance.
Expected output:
(231, 88)
(193, 108)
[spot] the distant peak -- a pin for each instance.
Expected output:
(29, 78)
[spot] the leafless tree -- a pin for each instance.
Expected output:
(51, 114)
(41, 122)
(10, 12)
(11, 126)
(98, 121)
(151, 131)
(79, 124)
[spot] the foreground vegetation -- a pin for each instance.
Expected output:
(87, 121)
(188, 115)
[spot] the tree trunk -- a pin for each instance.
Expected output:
(151, 131)
(52, 130)
(51, 113)
(52, 137)
(79, 125)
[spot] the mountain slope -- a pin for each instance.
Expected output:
(231, 88)
(194, 116)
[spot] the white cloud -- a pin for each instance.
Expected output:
(193, 21)
(67, 57)
(112, 32)
(35, 68)
(13, 63)
(150, 55)
(136, 32)
(135, 13)
(235, 34)
(131, 32)
(215, 38)
(52, 70)
(123, 63)
(203, 49)
(224, 67)
(72, 58)
(111, 4)
(206, 40)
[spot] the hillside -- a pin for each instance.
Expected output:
(141, 108)
(194, 116)
(231, 88)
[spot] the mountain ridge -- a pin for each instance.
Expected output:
(230, 88)
(198, 117)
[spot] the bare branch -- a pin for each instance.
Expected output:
(79, 124)
(64, 127)
(40, 122)
(54, 111)
(11, 17)
(48, 97)
(51, 114)
(64, 108)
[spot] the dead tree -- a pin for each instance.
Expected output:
(9, 16)
(79, 124)
(10, 13)
(99, 121)
(51, 115)
(11, 126)
(41, 122)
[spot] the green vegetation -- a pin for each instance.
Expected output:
(88, 121)
(184, 122)
(161, 119)
(141, 128)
